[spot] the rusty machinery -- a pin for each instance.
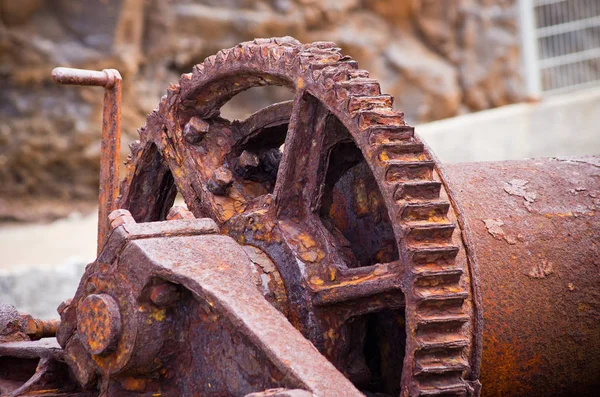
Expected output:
(325, 252)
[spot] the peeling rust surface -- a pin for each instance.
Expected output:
(539, 272)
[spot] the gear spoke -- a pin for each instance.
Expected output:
(301, 171)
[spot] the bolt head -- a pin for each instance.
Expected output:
(195, 130)
(99, 323)
(222, 179)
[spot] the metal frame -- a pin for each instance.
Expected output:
(561, 44)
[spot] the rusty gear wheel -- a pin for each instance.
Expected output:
(341, 195)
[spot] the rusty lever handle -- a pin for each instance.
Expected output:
(70, 76)
(111, 80)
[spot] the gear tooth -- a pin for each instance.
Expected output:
(230, 55)
(135, 145)
(304, 60)
(324, 44)
(379, 117)
(358, 74)
(162, 106)
(357, 103)
(287, 41)
(221, 56)
(253, 49)
(261, 41)
(238, 52)
(275, 53)
(210, 61)
(350, 63)
(288, 57)
(198, 69)
(264, 51)
(172, 94)
(357, 87)
(185, 80)
(142, 130)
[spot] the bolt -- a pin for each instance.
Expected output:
(99, 323)
(37, 329)
(120, 217)
(164, 294)
(194, 130)
(220, 182)
(179, 212)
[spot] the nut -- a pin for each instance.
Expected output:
(195, 130)
(220, 182)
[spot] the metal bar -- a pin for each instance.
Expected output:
(568, 27)
(587, 84)
(111, 80)
(539, 3)
(530, 48)
(570, 58)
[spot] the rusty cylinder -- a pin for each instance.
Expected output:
(535, 226)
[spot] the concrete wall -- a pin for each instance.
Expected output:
(562, 125)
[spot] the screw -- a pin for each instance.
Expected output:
(220, 182)
(194, 130)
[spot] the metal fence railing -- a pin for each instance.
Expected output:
(561, 44)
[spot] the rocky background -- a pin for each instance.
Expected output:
(439, 58)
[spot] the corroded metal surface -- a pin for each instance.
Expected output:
(193, 322)
(351, 211)
(111, 80)
(536, 234)
(324, 222)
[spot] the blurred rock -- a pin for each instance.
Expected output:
(437, 57)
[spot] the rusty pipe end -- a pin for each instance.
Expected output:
(71, 76)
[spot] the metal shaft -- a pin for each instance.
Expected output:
(535, 226)
(111, 80)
